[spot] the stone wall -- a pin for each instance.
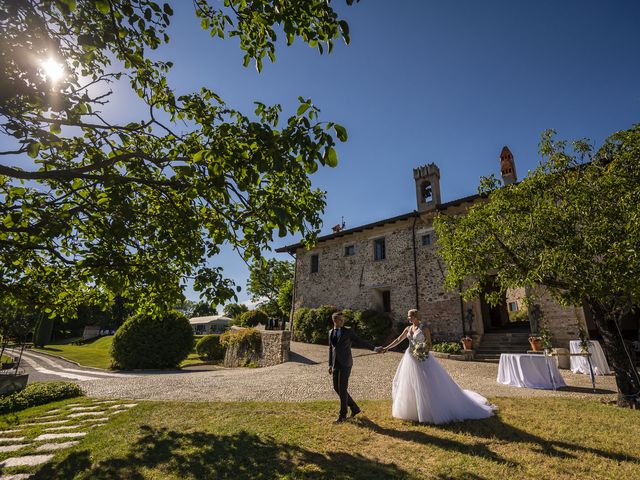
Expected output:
(276, 345)
(562, 321)
(274, 349)
(357, 281)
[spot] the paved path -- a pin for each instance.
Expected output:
(305, 377)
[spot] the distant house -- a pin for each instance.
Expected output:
(210, 324)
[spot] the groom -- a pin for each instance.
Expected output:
(340, 362)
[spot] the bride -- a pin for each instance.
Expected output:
(424, 392)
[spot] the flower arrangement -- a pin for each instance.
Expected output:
(420, 351)
(545, 337)
(467, 342)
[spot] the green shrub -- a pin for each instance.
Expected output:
(146, 341)
(252, 318)
(373, 326)
(39, 393)
(312, 325)
(210, 348)
(446, 347)
(246, 342)
(521, 315)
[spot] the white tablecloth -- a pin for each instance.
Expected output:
(529, 370)
(598, 360)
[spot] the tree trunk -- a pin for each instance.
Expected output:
(626, 374)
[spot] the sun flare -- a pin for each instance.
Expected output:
(52, 69)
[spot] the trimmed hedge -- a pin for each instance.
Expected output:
(446, 347)
(146, 341)
(373, 326)
(252, 318)
(311, 325)
(210, 348)
(39, 393)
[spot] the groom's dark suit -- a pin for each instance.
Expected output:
(341, 361)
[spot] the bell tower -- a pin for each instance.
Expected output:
(507, 166)
(427, 180)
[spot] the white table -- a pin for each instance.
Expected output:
(581, 364)
(529, 371)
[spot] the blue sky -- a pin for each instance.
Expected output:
(448, 82)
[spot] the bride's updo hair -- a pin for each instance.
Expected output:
(413, 313)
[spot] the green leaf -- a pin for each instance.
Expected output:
(341, 132)
(303, 108)
(102, 6)
(33, 149)
(330, 157)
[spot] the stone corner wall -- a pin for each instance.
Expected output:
(274, 349)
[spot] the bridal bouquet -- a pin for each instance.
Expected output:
(420, 351)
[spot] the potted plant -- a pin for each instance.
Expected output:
(536, 343)
(467, 342)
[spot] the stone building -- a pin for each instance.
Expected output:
(392, 265)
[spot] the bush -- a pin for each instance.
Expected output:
(373, 326)
(210, 348)
(39, 393)
(252, 318)
(246, 342)
(446, 347)
(312, 325)
(519, 315)
(146, 341)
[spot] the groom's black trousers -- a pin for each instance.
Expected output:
(340, 385)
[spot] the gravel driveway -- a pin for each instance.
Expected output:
(305, 377)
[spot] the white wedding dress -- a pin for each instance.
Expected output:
(424, 392)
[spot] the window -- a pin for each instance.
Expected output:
(349, 250)
(426, 239)
(379, 249)
(426, 192)
(513, 306)
(386, 301)
(315, 263)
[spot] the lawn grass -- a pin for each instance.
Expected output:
(93, 353)
(542, 438)
(96, 353)
(5, 359)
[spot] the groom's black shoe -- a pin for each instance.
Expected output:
(340, 420)
(355, 412)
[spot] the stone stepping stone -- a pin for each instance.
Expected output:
(105, 401)
(10, 431)
(66, 427)
(52, 422)
(115, 412)
(85, 414)
(54, 436)
(74, 404)
(100, 419)
(84, 409)
(96, 425)
(27, 460)
(45, 447)
(57, 410)
(126, 405)
(11, 439)
(16, 476)
(12, 448)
